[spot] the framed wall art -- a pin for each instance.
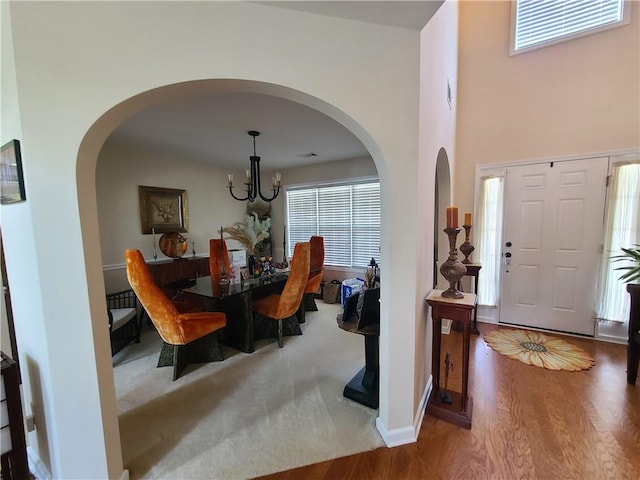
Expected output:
(163, 210)
(11, 177)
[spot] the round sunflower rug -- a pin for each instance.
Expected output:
(534, 348)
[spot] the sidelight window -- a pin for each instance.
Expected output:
(622, 231)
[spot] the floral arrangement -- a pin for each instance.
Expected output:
(250, 232)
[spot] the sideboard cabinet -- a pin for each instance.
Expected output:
(165, 272)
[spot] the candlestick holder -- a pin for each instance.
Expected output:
(155, 254)
(453, 269)
(466, 248)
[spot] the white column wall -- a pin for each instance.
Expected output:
(439, 65)
(75, 61)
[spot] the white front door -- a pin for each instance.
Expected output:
(553, 230)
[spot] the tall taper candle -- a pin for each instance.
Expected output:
(155, 254)
(452, 217)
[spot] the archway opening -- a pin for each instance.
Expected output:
(87, 162)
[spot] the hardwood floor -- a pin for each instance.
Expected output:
(528, 423)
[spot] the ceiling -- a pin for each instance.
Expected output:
(212, 127)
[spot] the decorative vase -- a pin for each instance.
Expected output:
(453, 269)
(466, 248)
(173, 245)
(251, 264)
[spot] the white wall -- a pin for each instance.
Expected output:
(439, 44)
(84, 67)
(575, 97)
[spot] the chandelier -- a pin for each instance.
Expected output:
(252, 178)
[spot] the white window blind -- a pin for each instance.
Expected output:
(346, 215)
(542, 22)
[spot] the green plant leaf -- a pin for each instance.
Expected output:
(631, 255)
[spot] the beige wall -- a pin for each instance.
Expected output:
(580, 96)
(438, 57)
(121, 168)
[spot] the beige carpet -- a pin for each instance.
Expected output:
(247, 416)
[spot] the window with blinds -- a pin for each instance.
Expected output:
(346, 215)
(538, 23)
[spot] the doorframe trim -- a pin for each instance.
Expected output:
(558, 158)
(499, 168)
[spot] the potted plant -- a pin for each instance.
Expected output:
(632, 257)
(632, 274)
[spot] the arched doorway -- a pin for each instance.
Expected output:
(442, 200)
(94, 140)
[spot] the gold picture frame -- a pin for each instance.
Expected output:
(163, 210)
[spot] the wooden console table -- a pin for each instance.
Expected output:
(186, 268)
(473, 270)
(460, 410)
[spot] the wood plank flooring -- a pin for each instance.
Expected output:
(528, 423)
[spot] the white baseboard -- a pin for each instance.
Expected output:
(408, 434)
(36, 467)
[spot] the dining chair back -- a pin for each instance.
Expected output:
(316, 271)
(219, 260)
(280, 306)
(188, 337)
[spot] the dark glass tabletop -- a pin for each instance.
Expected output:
(205, 288)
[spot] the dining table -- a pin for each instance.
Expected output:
(234, 299)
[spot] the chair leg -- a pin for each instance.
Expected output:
(180, 359)
(138, 328)
(300, 313)
(203, 350)
(280, 342)
(309, 302)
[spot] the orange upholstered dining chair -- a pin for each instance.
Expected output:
(316, 269)
(218, 260)
(280, 306)
(188, 336)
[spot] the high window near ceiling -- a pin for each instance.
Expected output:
(347, 215)
(538, 23)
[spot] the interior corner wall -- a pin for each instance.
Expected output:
(101, 60)
(576, 97)
(438, 71)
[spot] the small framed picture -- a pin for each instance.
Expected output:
(11, 177)
(244, 273)
(163, 210)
